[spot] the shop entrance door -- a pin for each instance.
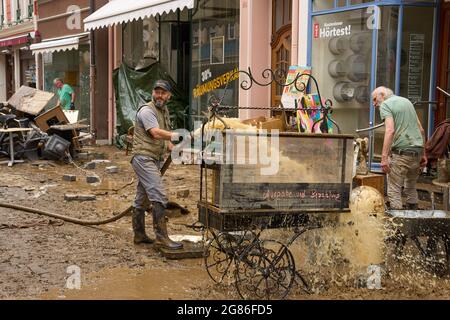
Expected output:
(281, 60)
(443, 111)
(281, 42)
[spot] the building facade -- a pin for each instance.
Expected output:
(66, 51)
(351, 46)
(17, 32)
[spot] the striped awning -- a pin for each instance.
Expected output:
(123, 11)
(57, 45)
(16, 40)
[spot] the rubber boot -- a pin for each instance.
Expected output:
(160, 227)
(138, 221)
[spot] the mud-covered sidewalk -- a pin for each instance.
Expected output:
(39, 255)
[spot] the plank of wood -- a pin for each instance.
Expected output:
(281, 196)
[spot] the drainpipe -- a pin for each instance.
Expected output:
(295, 27)
(16, 56)
(92, 71)
(37, 56)
(110, 83)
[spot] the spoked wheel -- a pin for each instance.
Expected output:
(221, 252)
(219, 257)
(265, 270)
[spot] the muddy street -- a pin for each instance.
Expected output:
(36, 251)
(40, 255)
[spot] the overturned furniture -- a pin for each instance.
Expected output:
(34, 127)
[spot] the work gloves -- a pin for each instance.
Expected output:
(177, 139)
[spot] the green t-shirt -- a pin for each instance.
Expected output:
(407, 133)
(65, 96)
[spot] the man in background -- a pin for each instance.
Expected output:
(66, 95)
(403, 153)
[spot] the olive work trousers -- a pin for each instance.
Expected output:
(405, 170)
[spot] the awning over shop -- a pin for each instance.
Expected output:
(16, 40)
(122, 11)
(57, 45)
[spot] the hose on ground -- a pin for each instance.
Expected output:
(78, 221)
(66, 218)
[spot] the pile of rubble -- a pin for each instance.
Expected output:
(30, 129)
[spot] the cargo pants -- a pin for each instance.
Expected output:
(405, 170)
(150, 186)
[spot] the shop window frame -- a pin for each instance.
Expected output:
(349, 5)
(379, 3)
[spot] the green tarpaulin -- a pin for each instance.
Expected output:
(133, 88)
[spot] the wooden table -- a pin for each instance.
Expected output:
(445, 192)
(11, 132)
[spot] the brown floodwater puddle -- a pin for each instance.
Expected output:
(162, 283)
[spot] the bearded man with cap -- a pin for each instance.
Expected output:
(151, 142)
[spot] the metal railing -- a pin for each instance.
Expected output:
(21, 15)
(30, 10)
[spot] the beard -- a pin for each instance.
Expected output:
(159, 103)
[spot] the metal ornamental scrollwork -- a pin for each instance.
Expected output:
(270, 77)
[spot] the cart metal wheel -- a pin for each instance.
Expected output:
(219, 257)
(265, 270)
(221, 252)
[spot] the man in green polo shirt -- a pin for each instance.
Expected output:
(402, 156)
(66, 96)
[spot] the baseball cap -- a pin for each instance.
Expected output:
(163, 84)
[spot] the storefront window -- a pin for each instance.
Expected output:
(353, 2)
(283, 13)
(387, 47)
(415, 63)
(417, 43)
(215, 53)
(73, 67)
(341, 62)
(83, 100)
(386, 65)
(27, 68)
(175, 46)
(322, 5)
(344, 41)
(141, 43)
(414, 1)
(164, 39)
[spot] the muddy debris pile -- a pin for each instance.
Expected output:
(33, 129)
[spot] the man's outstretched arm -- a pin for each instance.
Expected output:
(387, 144)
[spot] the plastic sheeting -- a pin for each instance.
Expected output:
(133, 88)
